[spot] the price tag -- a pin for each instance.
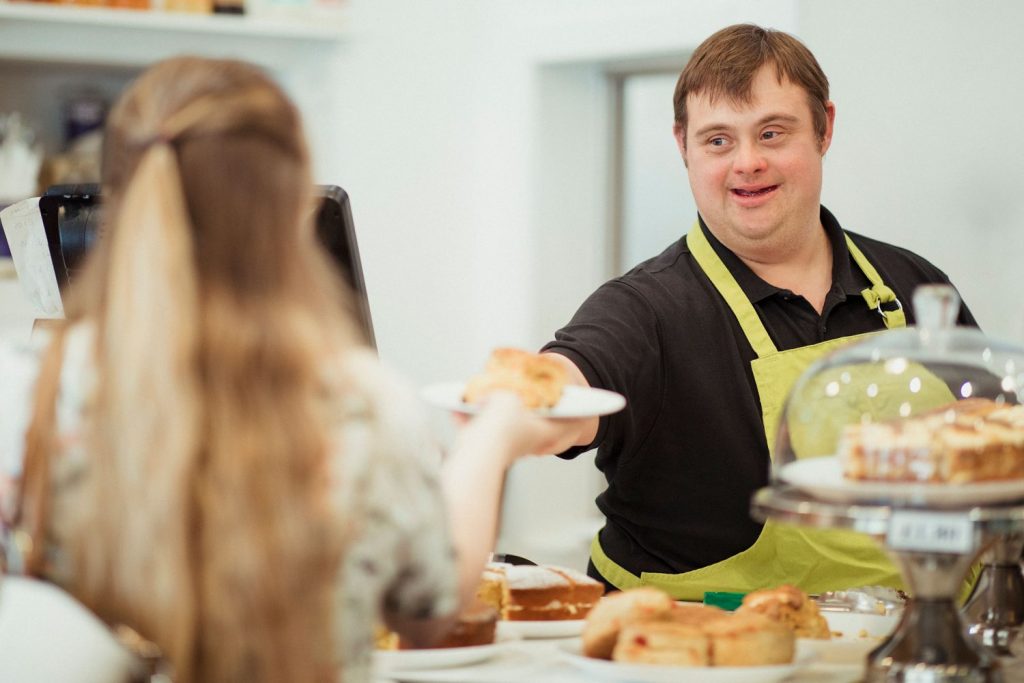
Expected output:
(941, 532)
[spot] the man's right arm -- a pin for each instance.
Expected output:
(577, 432)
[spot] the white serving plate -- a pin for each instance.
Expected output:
(823, 478)
(566, 628)
(388, 662)
(575, 401)
(854, 636)
(606, 670)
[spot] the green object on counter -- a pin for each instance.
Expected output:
(722, 600)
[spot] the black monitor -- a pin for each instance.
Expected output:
(72, 219)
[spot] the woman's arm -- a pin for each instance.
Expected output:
(472, 479)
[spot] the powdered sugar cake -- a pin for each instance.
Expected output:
(539, 592)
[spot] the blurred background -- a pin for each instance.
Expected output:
(505, 157)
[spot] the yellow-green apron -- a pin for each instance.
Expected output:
(815, 560)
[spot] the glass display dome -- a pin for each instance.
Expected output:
(925, 415)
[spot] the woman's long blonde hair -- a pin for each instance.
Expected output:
(205, 520)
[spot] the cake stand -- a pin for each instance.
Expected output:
(934, 549)
(995, 611)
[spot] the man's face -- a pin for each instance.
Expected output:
(755, 169)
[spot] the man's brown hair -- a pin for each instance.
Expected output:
(725, 65)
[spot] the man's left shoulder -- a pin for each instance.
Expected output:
(891, 257)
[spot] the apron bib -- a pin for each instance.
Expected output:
(816, 560)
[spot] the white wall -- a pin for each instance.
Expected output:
(928, 142)
(657, 205)
(473, 138)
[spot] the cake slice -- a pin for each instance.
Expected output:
(965, 441)
(538, 592)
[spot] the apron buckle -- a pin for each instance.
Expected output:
(885, 312)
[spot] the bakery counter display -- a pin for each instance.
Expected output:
(915, 436)
(513, 603)
(643, 634)
(929, 416)
(934, 548)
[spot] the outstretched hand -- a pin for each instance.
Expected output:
(523, 432)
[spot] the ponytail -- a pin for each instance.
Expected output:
(144, 449)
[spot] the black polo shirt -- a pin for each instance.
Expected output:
(684, 457)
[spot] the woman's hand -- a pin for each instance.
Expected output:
(505, 421)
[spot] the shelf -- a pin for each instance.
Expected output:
(119, 37)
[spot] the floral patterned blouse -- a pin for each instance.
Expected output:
(386, 483)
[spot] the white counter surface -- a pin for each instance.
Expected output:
(542, 661)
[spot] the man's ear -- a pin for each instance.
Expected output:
(679, 133)
(830, 123)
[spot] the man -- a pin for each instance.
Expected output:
(706, 339)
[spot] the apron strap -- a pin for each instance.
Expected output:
(730, 290)
(878, 294)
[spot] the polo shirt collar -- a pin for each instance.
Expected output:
(757, 289)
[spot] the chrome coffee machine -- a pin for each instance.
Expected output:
(72, 218)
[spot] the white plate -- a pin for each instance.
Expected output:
(656, 673)
(859, 626)
(854, 635)
(388, 661)
(823, 478)
(565, 628)
(575, 402)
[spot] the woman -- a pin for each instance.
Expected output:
(212, 458)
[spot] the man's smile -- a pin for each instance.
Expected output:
(757, 191)
(752, 196)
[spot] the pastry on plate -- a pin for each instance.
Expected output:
(536, 378)
(749, 640)
(662, 642)
(790, 607)
(615, 611)
(645, 625)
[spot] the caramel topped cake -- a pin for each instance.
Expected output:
(536, 378)
(538, 593)
(384, 638)
(966, 441)
(476, 625)
(790, 607)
